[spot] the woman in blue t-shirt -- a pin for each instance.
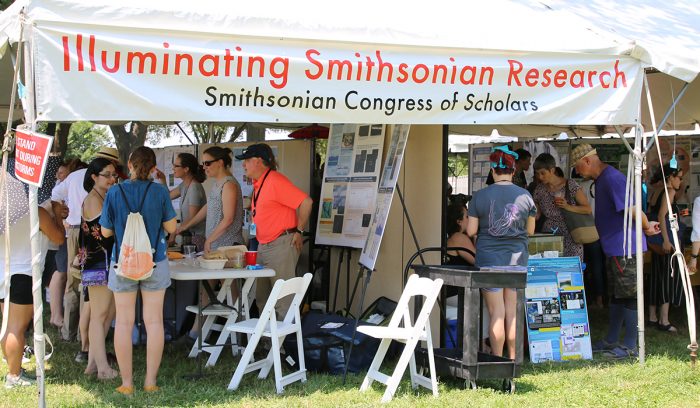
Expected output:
(159, 216)
(501, 216)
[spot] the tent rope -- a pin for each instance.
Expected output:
(677, 254)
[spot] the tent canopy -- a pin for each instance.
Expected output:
(326, 58)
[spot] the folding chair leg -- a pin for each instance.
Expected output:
(206, 328)
(223, 338)
(243, 363)
(265, 369)
(277, 363)
(393, 382)
(431, 361)
(376, 363)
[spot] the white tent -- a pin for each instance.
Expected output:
(527, 67)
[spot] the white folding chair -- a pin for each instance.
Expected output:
(268, 326)
(402, 329)
(228, 310)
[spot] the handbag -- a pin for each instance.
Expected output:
(581, 226)
(94, 277)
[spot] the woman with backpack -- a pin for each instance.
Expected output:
(159, 217)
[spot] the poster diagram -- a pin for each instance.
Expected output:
(385, 193)
(349, 188)
(555, 310)
(164, 162)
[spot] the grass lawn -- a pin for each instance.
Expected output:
(665, 381)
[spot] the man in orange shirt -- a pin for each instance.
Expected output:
(280, 213)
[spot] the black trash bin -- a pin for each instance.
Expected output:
(466, 361)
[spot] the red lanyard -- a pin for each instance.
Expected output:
(255, 196)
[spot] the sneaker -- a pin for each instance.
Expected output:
(81, 357)
(21, 380)
(28, 353)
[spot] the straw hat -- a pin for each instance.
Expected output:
(108, 153)
(581, 151)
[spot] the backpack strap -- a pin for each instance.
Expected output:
(145, 193)
(126, 201)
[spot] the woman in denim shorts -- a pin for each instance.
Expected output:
(501, 216)
(159, 217)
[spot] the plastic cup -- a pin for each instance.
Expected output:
(189, 251)
(251, 257)
(239, 260)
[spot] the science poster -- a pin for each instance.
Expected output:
(555, 310)
(349, 189)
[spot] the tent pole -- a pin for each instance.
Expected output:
(668, 112)
(37, 287)
(638, 236)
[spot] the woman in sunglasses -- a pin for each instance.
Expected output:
(94, 254)
(191, 193)
(224, 208)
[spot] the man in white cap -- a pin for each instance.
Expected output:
(610, 187)
(71, 193)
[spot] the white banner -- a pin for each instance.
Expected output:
(107, 73)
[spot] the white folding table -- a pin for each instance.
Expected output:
(221, 303)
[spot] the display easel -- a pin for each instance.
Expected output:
(368, 276)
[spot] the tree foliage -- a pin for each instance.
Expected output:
(458, 164)
(85, 139)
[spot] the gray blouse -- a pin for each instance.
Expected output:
(234, 233)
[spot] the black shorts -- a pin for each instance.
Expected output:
(62, 258)
(49, 267)
(21, 290)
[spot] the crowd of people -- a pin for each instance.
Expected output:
(491, 228)
(86, 218)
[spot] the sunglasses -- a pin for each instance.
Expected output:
(207, 163)
(177, 165)
(109, 175)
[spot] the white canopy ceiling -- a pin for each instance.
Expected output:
(665, 36)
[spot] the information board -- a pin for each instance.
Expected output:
(350, 180)
(385, 193)
(555, 310)
(165, 157)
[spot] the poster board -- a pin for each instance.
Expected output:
(555, 310)
(385, 194)
(349, 188)
(165, 156)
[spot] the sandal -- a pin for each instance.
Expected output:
(667, 328)
(620, 352)
(151, 388)
(651, 323)
(603, 345)
(124, 390)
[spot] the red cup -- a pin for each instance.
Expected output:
(251, 257)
